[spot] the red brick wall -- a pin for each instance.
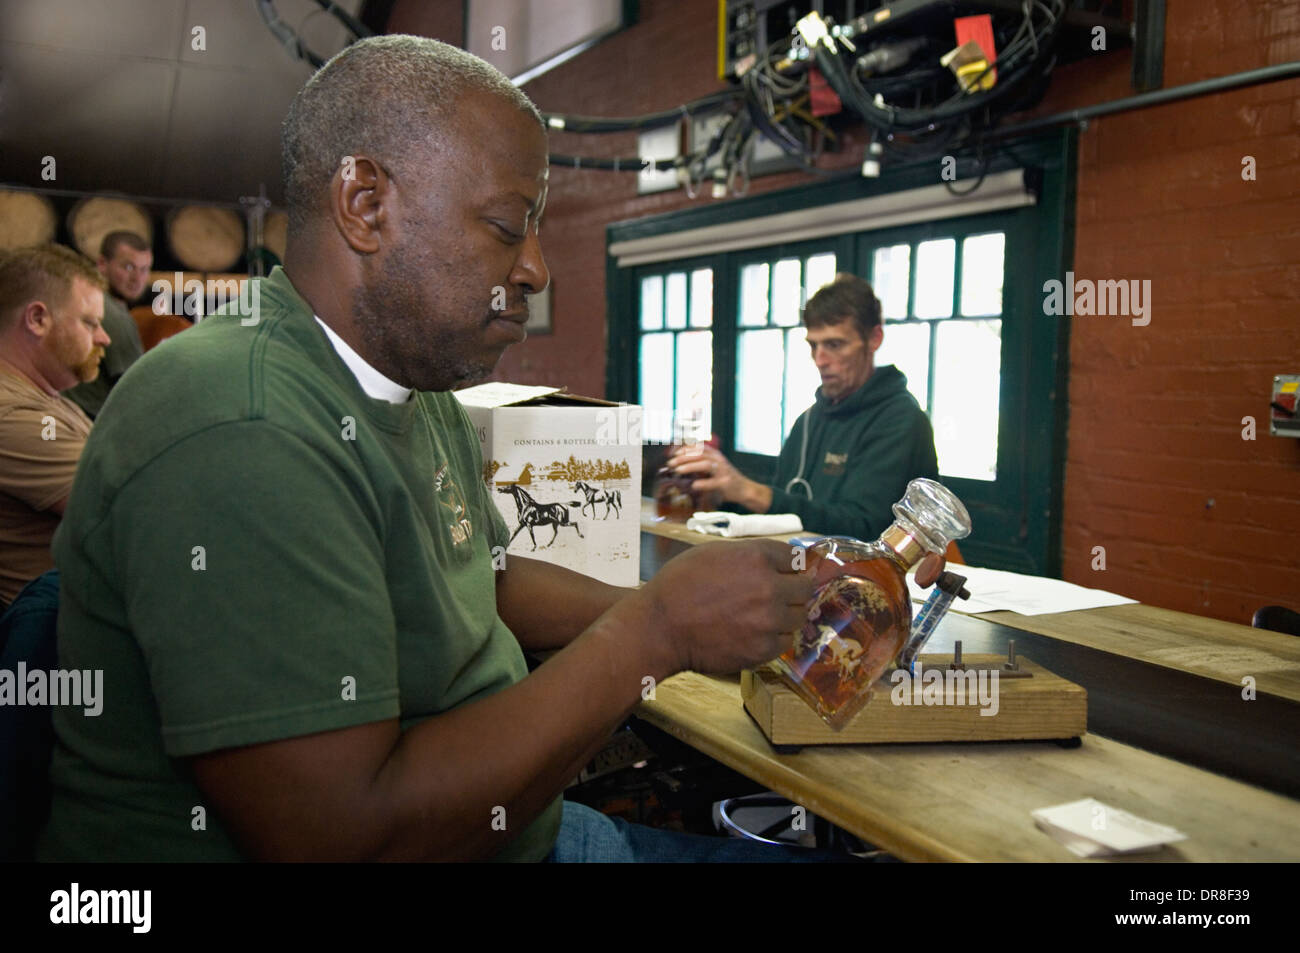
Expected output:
(1191, 516)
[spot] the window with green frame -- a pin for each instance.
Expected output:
(675, 353)
(775, 380)
(961, 318)
(940, 288)
(941, 302)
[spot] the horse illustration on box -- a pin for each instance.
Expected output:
(612, 499)
(532, 514)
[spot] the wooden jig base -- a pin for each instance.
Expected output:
(1029, 704)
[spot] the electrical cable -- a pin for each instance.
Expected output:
(1017, 62)
(291, 39)
(601, 124)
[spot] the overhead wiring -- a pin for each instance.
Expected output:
(914, 107)
(291, 39)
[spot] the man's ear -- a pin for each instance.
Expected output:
(359, 192)
(876, 338)
(37, 318)
(102, 265)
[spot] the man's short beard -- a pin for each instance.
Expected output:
(88, 369)
(387, 313)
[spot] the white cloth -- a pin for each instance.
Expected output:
(745, 524)
(375, 384)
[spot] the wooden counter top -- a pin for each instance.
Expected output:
(972, 802)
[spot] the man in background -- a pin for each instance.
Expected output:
(850, 456)
(51, 339)
(124, 260)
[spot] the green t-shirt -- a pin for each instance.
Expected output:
(267, 553)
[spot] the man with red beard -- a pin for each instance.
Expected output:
(51, 339)
(124, 260)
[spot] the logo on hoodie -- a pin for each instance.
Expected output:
(833, 465)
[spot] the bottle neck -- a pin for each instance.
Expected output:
(906, 542)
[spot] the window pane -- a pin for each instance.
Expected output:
(753, 296)
(934, 277)
(968, 375)
(889, 277)
(760, 368)
(702, 298)
(981, 274)
(695, 383)
(657, 387)
(907, 347)
(786, 292)
(801, 378)
(676, 310)
(652, 303)
(819, 271)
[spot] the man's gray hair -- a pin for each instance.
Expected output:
(385, 96)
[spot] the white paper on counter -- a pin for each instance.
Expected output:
(1089, 828)
(995, 589)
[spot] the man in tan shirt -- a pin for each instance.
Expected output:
(51, 339)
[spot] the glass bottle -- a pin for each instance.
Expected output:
(674, 499)
(675, 495)
(861, 614)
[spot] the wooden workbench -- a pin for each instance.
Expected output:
(972, 802)
(1166, 679)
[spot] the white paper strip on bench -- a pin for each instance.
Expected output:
(999, 191)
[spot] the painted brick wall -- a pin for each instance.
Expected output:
(1191, 516)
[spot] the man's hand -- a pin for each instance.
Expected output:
(713, 471)
(724, 606)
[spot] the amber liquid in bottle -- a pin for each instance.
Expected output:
(856, 626)
(676, 497)
(861, 615)
(673, 497)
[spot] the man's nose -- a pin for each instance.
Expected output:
(530, 267)
(102, 339)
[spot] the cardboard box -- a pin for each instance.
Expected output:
(565, 473)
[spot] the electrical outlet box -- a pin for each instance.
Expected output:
(765, 159)
(661, 143)
(1284, 419)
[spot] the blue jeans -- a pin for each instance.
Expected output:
(587, 836)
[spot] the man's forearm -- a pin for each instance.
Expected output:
(755, 497)
(547, 606)
(460, 785)
(524, 743)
